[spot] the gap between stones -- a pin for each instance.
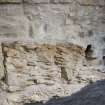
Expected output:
(4, 54)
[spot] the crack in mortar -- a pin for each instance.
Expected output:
(5, 78)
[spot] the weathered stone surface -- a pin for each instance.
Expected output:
(40, 24)
(37, 1)
(13, 23)
(38, 72)
(10, 1)
(47, 64)
(69, 53)
(48, 1)
(3, 96)
(92, 94)
(15, 27)
(53, 23)
(11, 10)
(92, 2)
(61, 1)
(66, 23)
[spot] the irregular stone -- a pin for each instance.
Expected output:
(14, 97)
(50, 29)
(3, 96)
(48, 64)
(38, 72)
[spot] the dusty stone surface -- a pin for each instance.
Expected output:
(51, 49)
(13, 24)
(88, 95)
(10, 1)
(37, 72)
(79, 22)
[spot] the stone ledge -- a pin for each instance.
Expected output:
(48, 1)
(91, 2)
(10, 1)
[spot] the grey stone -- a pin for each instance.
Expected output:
(48, 56)
(92, 2)
(10, 1)
(13, 24)
(48, 1)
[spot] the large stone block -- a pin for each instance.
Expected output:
(38, 72)
(40, 64)
(3, 97)
(13, 27)
(11, 10)
(13, 23)
(47, 22)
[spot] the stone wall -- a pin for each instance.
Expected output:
(79, 22)
(49, 48)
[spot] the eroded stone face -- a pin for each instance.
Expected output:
(61, 62)
(40, 64)
(79, 22)
(92, 2)
(13, 24)
(37, 72)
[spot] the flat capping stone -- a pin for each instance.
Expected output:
(48, 1)
(10, 1)
(99, 3)
(33, 45)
